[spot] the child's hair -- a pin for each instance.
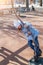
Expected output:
(20, 27)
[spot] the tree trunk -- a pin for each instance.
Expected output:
(12, 3)
(27, 5)
(40, 2)
(34, 1)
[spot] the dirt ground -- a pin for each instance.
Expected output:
(14, 49)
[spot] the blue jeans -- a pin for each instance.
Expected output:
(35, 47)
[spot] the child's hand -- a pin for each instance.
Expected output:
(29, 33)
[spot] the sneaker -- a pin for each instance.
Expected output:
(36, 58)
(39, 54)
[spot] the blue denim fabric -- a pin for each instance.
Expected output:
(31, 29)
(35, 47)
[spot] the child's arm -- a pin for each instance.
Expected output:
(19, 18)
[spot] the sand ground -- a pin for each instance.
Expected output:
(13, 45)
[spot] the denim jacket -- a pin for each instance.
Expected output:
(31, 29)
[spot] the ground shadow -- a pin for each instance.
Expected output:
(13, 56)
(39, 28)
(12, 31)
(22, 16)
(39, 62)
(36, 14)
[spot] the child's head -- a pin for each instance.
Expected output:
(18, 24)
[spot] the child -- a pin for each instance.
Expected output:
(31, 35)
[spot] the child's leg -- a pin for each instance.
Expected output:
(30, 44)
(37, 48)
(36, 42)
